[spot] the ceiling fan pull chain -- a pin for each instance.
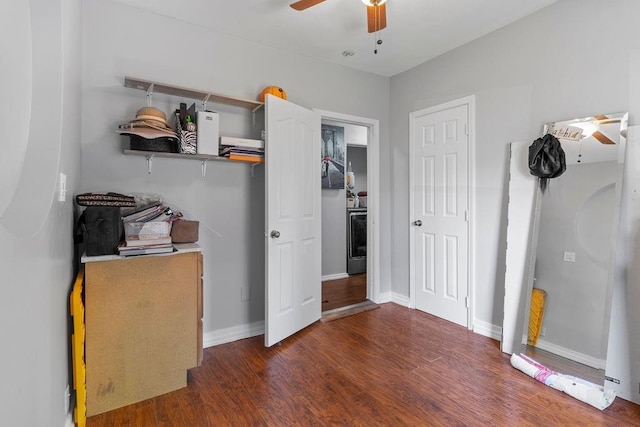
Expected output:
(378, 40)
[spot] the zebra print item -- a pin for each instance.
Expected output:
(188, 139)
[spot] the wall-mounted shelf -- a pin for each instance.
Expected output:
(204, 158)
(204, 97)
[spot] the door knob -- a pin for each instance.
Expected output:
(417, 223)
(275, 234)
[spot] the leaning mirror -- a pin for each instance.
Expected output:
(560, 249)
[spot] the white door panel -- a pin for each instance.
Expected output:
(440, 199)
(293, 226)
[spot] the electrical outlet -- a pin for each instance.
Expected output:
(570, 256)
(62, 187)
(245, 293)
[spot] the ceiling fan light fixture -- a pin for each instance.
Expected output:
(374, 2)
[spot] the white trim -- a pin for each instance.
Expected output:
(570, 354)
(334, 276)
(68, 421)
(385, 297)
(471, 180)
(234, 333)
(373, 201)
(487, 329)
(400, 299)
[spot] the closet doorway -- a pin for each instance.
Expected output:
(340, 290)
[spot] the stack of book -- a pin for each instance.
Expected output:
(247, 150)
(147, 231)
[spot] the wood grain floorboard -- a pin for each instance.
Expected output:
(387, 367)
(343, 292)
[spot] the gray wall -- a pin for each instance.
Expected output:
(357, 155)
(229, 203)
(41, 88)
(569, 60)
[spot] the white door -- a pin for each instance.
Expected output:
(293, 228)
(439, 217)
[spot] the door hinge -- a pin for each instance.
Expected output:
(466, 129)
(466, 302)
(466, 216)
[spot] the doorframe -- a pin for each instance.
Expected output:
(373, 190)
(471, 179)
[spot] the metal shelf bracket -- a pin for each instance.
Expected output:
(149, 163)
(204, 168)
(204, 101)
(150, 96)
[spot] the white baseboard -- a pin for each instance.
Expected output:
(383, 297)
(234, 333)
(400, 299)
(571, 354)
(334, 277)
(487, 329)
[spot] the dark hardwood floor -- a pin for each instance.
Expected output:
(387, 367)
(343, 292)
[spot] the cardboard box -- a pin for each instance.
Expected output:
(142, 327)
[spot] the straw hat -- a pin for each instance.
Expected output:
(149, 123)
(153, 114)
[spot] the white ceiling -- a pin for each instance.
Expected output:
(417, 30)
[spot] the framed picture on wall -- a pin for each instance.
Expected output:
(333, 157)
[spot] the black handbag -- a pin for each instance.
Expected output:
(101, 230)
(546, 159)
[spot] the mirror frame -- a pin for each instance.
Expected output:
(522, 231)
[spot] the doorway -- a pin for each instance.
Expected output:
(335, 222)
(440, 198)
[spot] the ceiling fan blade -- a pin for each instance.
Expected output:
(304, 4)
(376, 17)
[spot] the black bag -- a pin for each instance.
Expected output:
(546, 159)
(101, 229)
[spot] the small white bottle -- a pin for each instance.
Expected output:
(351, 179)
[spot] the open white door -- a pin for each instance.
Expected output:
(293, 296)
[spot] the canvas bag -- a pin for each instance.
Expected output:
(546, 159)
(101, 229)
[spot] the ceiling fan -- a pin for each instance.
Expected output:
(376, 12)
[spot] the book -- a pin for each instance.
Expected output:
(136, 242)
(162, 249)
(246, 158)
(241, 142)
(147, 230)
(141, 213)
(240, 150)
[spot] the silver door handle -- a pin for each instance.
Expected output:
(417, 223)
(275, 234)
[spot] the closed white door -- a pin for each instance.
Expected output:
(439, 218)
(293, 228)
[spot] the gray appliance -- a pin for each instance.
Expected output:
(356, 240)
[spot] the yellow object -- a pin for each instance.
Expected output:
(273, 90)
(538, 297)
(76, 307)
